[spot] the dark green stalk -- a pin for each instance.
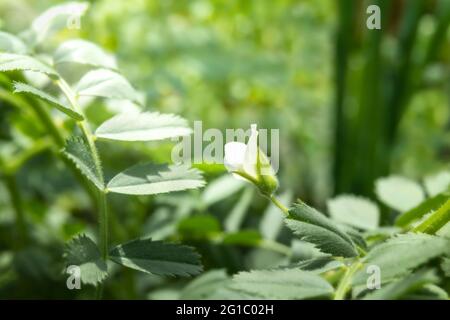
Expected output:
(369, 124)
(279, 205)
(101, 195)
(16, 200)
(402, 76)
(438, 38)
(346, 10)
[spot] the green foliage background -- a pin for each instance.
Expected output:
(352, 105)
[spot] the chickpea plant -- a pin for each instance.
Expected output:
(102, 81)
(408, 256)
(359, 253)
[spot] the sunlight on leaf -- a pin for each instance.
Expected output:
(146, 179)
(157, 257)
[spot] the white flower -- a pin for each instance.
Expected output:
(248, 162)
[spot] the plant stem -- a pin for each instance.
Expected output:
(346, 282)
(16, 199)
(264, 244)
(436, 220)
(276, 202)
(103, 225)
(276, 247)
(99, 292)
(102, 205)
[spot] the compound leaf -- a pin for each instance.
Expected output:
(400, 254)
(157, 257)
(77, 151)
(314, 227)
(83, 253)
(23, 87)
(146, 126)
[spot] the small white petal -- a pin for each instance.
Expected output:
(234, 156)
(251, 153)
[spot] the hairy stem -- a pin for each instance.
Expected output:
(275, 247)
(276, 202)
(346, 281)
(436, 220)
(103, 225)
(102, 205)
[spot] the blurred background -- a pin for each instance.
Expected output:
(352, 105)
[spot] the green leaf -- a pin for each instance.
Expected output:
(146, 179)
(355, 211)
(199, 226)
(400, 288)
(66, 15)
(355, 235)
(437, 183)
(204, 285)
(314, 227)
(77, 151)
(106, 84)
(157, 257)
(421, 210)
(83, 52)
(14, 62)
(12, 44)
(146, 126)
(399, 193)
(83, 252)
(399, 255)
(23, 87)
(282, 284)
(243, 238)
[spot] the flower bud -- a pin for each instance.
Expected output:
(248, 162)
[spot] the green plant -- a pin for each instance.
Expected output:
(104, 81)
(374, 95)
(351, 245)
(251, 246)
